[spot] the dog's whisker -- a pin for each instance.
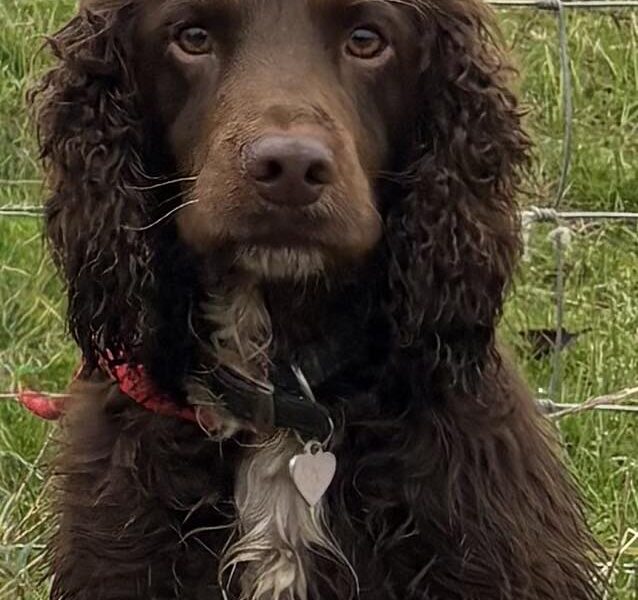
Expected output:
(180, 194)
(163, 218)
(155, 186)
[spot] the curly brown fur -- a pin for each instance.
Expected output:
(449, 485)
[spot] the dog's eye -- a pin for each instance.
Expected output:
(195, 40)
(365, 43)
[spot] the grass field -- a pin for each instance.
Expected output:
(601, 284)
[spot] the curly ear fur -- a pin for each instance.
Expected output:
(454, 239)
(482, 467)
(90, 134)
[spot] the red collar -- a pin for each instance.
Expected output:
(132, 381)
(135, 383)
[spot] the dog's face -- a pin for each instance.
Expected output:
(284, 113)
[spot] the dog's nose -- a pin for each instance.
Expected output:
(289, 170)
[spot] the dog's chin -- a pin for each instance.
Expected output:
(278, 263)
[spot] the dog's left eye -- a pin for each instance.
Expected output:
(195, 40)
(365, 43)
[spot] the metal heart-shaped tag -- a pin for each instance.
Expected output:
(312, 472)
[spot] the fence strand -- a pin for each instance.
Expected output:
(614, 402)
(575, 4)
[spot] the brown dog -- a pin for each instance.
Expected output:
(292, 222)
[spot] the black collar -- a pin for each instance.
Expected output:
(290, 402)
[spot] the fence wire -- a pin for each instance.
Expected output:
(558, 5)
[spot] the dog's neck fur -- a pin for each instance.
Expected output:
(255, 319)
(277, 532)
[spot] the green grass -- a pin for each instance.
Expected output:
(601, 286)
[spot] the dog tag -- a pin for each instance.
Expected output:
(312, 472)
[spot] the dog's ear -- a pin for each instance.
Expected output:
(454, 239)
(89, 126)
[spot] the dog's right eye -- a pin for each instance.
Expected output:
(365, 43)
(195, 40)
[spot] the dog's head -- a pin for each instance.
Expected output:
(291, 137)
